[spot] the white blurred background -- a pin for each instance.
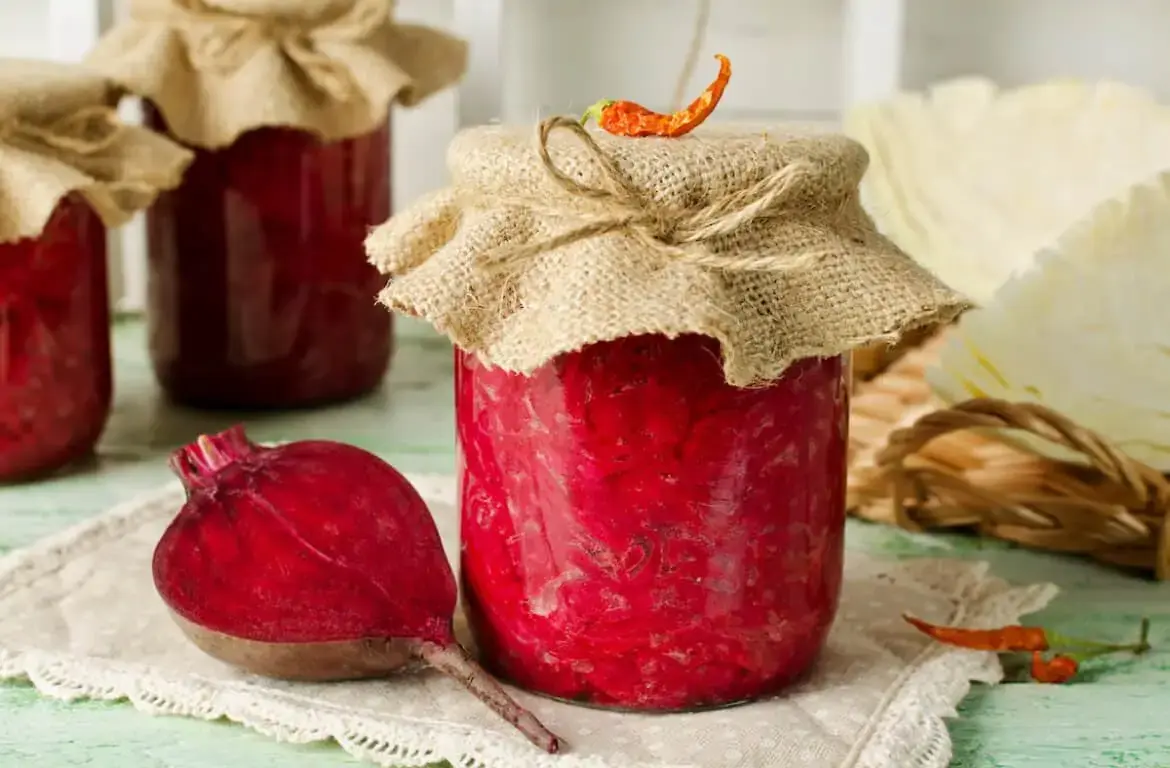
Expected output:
(795, 60)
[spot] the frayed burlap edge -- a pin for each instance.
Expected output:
(553, 239)
(60, 134)
(215, 73)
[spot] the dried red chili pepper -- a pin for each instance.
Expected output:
(1003, 640)
(625, 118)
(1059, 669)
(1017, 639)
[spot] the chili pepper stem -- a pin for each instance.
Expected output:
(1058, 641)
(1080, 656)
(1141, 646)
(594, 112)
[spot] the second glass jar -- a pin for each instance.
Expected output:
(259, 293)
(639, 534)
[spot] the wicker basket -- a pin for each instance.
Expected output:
(920, 465)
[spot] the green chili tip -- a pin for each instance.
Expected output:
(594, 112)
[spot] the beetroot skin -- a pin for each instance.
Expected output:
(639, 534)
(314, 560)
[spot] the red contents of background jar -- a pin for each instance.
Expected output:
(260, 295)
(55, 379)
(639, 534)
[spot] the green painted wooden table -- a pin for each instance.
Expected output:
(1119, 718)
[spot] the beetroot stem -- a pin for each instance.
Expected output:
(195, 463)
(454, 662)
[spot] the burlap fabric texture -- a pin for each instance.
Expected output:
(556, 237)
(218, 68)
(60, 134)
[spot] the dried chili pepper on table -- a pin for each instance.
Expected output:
(626, 118)
(1060, 668)
(1004, 639)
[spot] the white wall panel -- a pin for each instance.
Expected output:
(24, 29)
(1020, 41)
(794, 59)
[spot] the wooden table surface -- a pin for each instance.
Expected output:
(1118, 718)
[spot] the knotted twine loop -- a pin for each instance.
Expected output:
(86, 132)
(222, 41)
(672, 233)
(1138, 487)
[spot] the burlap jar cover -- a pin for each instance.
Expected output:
(218, 68)
(555, 238)
(60, 134)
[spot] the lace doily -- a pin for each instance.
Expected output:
(79, 617)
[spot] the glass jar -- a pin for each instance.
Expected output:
(260, 295)
(55, 379)
(639, 534)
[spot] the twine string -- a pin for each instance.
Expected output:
(702, 20)
(672, 233)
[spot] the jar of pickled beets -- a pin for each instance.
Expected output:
(652, 398)
(55, 379)
(67, 169)
(259, 292)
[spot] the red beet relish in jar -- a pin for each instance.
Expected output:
(637, 533)
(652, 396)
(55, 379)
(260, 295)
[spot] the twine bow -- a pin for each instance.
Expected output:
(223, 40)
(86, 132)
(673, 233)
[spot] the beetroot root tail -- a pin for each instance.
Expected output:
(454, 661)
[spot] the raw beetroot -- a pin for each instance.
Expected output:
(260, 295)
(639, 534)
(314, 560)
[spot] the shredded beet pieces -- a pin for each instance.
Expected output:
(260, 295)
(637, 533)
(55, 377)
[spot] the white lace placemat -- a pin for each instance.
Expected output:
(79, 617)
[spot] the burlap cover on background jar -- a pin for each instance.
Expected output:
(60, 133)
(259, 295)
(218, 68)
(551, 239)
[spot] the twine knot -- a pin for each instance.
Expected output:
(682, 234)
(88, 131)
(222, 40)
